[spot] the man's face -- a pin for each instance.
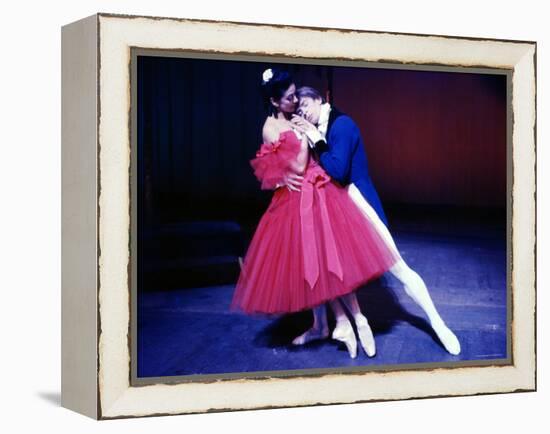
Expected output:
(310, 109)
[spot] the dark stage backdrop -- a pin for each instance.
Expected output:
(199, 125)
(432, 138)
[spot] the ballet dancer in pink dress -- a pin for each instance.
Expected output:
(311, 246)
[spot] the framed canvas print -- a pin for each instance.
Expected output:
(261, 216)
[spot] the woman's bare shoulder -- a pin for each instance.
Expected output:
(271, 130)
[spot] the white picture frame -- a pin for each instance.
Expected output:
(96, 147)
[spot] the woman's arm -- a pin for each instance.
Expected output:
(291, 179)
(271, 134)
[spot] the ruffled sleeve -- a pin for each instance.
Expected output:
(273, 160)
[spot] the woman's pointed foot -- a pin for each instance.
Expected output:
(344, 333)
(447, 338)
(365, 336)
(312, 334)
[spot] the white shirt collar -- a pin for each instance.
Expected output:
(323, 119)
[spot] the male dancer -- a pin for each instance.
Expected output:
(337, 141)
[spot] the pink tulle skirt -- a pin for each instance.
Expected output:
(309, 249)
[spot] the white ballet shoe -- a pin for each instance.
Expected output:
(311, 335)
(365, 336)
(344, 333)
(447, 338)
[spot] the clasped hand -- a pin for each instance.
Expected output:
(292, 181)
(302, 124)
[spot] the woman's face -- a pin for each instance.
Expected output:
(288, 102)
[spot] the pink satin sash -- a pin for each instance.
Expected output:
(314, 181)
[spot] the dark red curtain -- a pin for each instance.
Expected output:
(431, 137)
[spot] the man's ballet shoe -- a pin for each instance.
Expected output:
(447, 338)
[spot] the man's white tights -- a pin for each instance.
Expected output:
(413, 284)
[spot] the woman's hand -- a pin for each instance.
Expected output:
(302, 124)
(293, 181)
(308, 129)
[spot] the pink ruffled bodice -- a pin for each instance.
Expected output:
(273, 160)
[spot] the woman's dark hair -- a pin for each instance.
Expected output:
(275, 83)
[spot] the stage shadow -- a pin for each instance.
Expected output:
(378, 302)
(280, 332)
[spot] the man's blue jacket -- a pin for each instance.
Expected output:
(344, 158)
